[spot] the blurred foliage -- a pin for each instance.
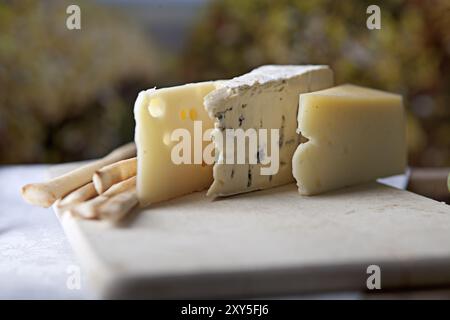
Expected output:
(68, 94)
(409, 55)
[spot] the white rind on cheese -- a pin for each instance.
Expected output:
(265, 98)
(355, 135)
(158, 113)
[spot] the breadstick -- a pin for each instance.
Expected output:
(114, 173)
(117, 207)
(88, 209)
(81, 194)
(45, 194)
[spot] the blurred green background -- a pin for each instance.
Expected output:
(68, 94)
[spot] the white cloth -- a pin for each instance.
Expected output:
(35, 257)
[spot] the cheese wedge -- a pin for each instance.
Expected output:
(265, 98)
(158, 113)
(355, 135)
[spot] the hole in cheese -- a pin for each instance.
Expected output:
(156, 107)
(193, 114)
(183, 114)
(166, 139)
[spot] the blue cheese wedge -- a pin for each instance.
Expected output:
(265, 98)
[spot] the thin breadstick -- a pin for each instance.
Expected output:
(117, 207)
(114, 173)
(45, 194)
(88, 209)
(79, 195)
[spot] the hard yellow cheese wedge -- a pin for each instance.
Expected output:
(355, 135)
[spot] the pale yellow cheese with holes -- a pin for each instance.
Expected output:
(158, 113)
(355, 135)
